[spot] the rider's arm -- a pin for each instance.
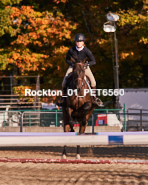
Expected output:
(68, 61)
(91, 57)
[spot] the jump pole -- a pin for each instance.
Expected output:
(74, 161)
(60, 139)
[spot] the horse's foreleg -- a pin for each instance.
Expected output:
(83, 124)
(82, 129)
(71, 121)
(86, 117)
(86, 108)
(66, 128)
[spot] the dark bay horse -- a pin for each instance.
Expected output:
(79, 105)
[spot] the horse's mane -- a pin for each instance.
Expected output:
(79, 69)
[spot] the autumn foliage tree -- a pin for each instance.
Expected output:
(36, 45)
(36, 35)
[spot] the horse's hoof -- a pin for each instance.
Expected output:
(78, 156)
(63, 156)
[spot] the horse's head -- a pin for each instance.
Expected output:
(78, 73)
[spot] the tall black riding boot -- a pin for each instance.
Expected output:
(63, 99)
(96, 101)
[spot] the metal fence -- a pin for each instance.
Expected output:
(44, 118)
(131, 120)
(137, 119)
(10, 84)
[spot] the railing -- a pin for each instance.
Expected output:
(46, 118)
(7, 97)
(134, 122)
(41, 118)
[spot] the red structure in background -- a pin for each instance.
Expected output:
(76, 125)
(101, 119)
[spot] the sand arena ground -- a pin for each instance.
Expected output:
(79, 174)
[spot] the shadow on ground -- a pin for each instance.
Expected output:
(138, 152)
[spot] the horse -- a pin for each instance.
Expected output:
(78, 106)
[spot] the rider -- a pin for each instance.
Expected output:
(79, 52)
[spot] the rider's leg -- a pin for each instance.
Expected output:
(95, 100)
(91, 76)
(69, 70)
(62, 100)
(64, 87)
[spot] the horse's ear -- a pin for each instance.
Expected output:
(73, 60)
(83, 61)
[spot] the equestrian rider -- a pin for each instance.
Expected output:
(79, 52)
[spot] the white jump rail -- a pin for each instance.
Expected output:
(72, 139)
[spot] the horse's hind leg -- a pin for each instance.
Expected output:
(64, 153)
(82, 128)
(78, 146)
(78, 152)
(66, 129)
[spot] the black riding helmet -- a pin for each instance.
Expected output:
(79, 37)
